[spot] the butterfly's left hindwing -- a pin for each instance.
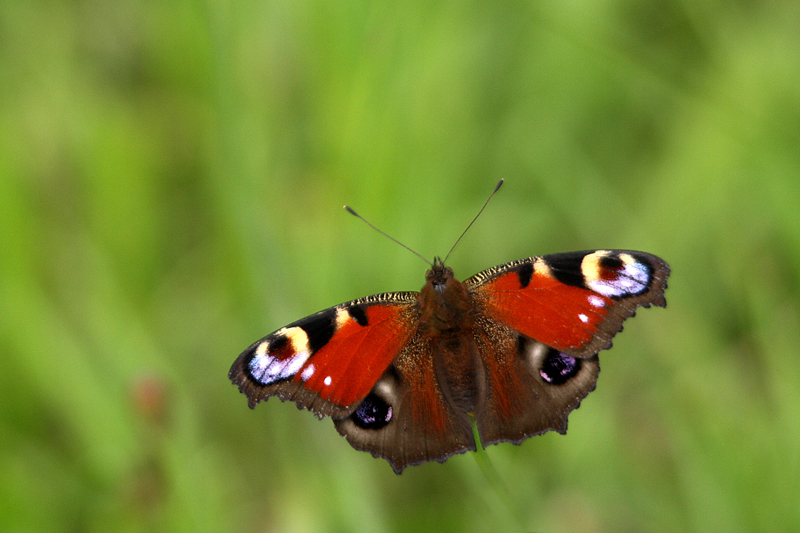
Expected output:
(329, 361)
(406, 418)
(530, 387)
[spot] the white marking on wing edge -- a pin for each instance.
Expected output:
(631, 279)
(541, 267)
(583, 318)
(596, 301)
(327, 381)
(267, 369)
(308, 372)
(342, 318)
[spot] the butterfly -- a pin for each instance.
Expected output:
(404, 374)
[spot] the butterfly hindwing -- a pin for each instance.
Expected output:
(530, 387)
(329, 361)
(407, 418)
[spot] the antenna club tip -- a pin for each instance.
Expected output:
(350, 210)
(497, 187)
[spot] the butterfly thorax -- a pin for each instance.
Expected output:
(445, 303)
(447, 322)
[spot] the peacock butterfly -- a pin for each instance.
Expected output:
(514, 347)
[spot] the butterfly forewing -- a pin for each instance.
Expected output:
(574, 302)
(329, 361)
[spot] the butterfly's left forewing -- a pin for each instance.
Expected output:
(329, 361)
(543, 321)
(574, 302)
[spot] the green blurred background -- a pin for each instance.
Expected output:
(171, 183)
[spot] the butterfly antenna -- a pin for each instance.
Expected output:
(497, 188)
(352, 212)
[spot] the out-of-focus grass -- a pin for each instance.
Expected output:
(171, 179)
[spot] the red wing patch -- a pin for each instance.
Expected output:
(329, 361)
(346, 368)
(556, 314)
(575, 301)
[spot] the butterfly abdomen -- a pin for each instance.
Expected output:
(447, 321)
